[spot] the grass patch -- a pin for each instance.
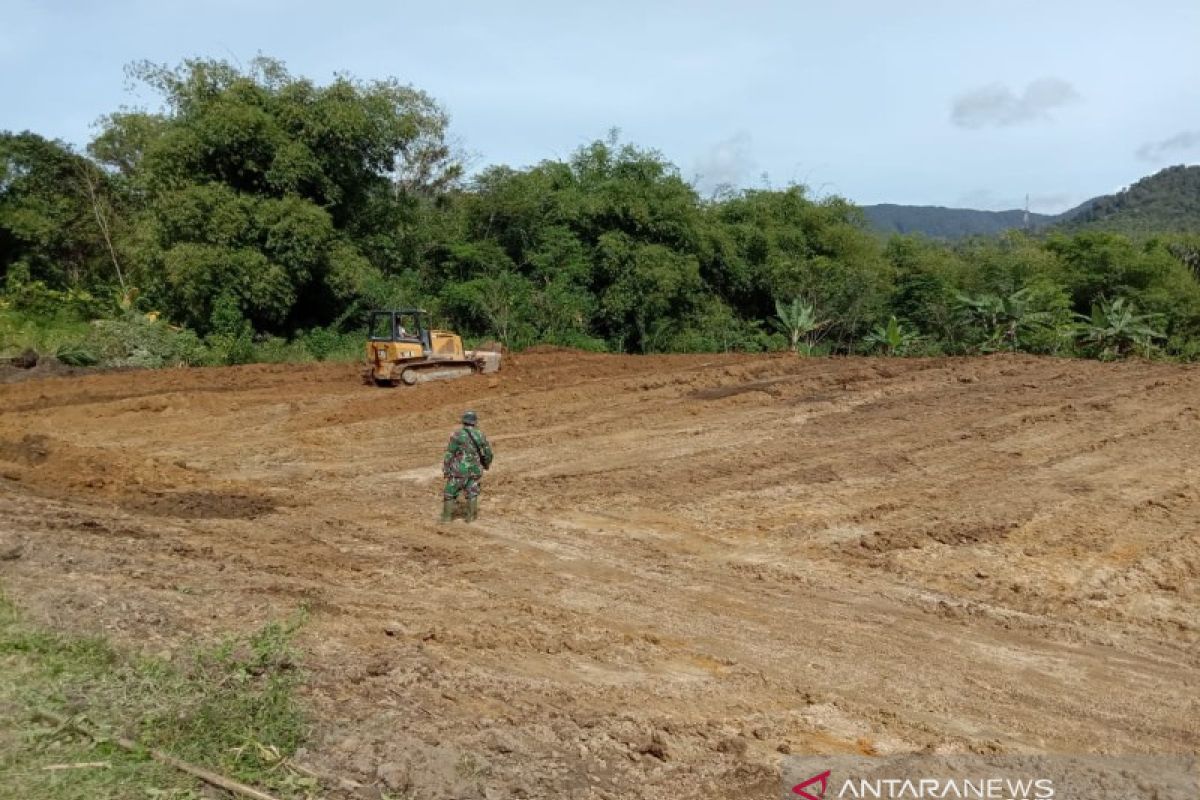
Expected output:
(229, 708)
(45, 334)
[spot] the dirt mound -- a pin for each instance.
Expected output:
(26, 360)
(30, 449)
(200, 505)
(685, 566)
(37, 367)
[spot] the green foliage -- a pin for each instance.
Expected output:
(949, 223)
(231, 340)
(21, 330)
(277, 350)
(135, 341)
(326, 344)
(77, 354)
(798, 321)
(716, 328)
(1166, 202)
(267, 187)
(36, 298)
(229, 707)
(265, 212)
(1115, 329)
(1016, 320)
(49, 201)
(892, 339)
(320, 342)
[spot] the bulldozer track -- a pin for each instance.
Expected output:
(685, 566)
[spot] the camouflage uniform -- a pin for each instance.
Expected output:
(467, 456)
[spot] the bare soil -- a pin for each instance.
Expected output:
(685, 567)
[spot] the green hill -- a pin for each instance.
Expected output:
(1165, 202)
(948, 223)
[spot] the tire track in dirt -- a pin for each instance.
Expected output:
(686, 565)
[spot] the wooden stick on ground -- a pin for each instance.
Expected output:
(205, 775)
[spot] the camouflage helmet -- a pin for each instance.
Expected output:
(470, 418)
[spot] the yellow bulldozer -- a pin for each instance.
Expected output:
(402, 348)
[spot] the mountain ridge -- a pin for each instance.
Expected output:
(1167, 201)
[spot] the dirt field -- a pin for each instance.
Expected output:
(685, 566)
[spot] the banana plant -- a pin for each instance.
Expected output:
(798, 321)
(892, 339)
(1004, 319)
(1115, 329)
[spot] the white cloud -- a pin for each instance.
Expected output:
(727, 164)
(996, 105)
(1174, 147)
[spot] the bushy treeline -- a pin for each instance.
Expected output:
(256, 207)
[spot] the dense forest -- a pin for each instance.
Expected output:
(258, 215)
(1168, 201)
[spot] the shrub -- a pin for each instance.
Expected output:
(276, 350)
(77, 354)
(327, 344)
(320, 342)
(229, 349)
(137, 341)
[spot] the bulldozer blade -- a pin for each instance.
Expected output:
(414, 375)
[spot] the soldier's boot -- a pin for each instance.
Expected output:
(447, 510)
(472, 509)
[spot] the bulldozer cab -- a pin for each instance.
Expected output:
(403, 325)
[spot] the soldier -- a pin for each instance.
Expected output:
(467, 456)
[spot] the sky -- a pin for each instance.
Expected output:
(961, 103)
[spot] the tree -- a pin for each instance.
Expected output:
(765, 244)
(91, 181)
(647, 289)
(927, 275)
(504, 300)
(288, 196)
(1187, 250)
(255, 201)
(49, 200)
